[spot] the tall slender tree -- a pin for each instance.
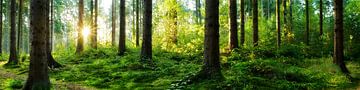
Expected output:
(38, 78)
(307, 22)
(211, 68)
(198, 11)
(122, 37)
(339, 36)
(94, 29)
(290, 15)
(50, 59)
(146, 50)
(242, 22)
(255, 23)
(20, 26)
(80, 41)
(321, 17)
(285, 12)
(233, 25)
(278, 23)
(137, 27)
(113, 22)
(1, 25)
(13, 52)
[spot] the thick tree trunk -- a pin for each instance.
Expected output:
(233, 25)
(278, 23)
(19, 27)
(211, 68)
(339, 36)
(307, 22)
(113, 22)
(122, 37)
(80, 41)
(1, 25)
(38, 78)
(137, 27)
(255, 23)
(13, 52)
(146, 50)
(242, 22)
(321, 17)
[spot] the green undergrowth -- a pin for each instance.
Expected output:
(262, 68)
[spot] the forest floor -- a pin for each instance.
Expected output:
(103, 69)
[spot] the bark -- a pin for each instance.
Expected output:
(19, 27)
(80, 41)
(255, 23)
(233, 25)
(211, 68)
(13, 52)
(146, 50)
(339, 36)
(291, 15)
(242, 22)
(113, 22)
(278, 23)
(285, 11)
(307, 22)
(321, 17)
(38, 78)
(137, 27)
(94, 29)
(1, 25)
(122, 37)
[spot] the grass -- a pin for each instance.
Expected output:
(103, 69)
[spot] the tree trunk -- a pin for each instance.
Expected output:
(211, 68)
(80, 41)
(38, 78)
(255, 23)
(233, 25)
(91, 36)
(291, 16)
(137, 27)
(1, 25)
(94, 30)
(242, 22)
(19, 27)
(13, 52)
(321, 17)
(146, 50)
(285, 12)
(113, 22)
(307, 22)
(122, 37)
(50, 59)
(278, 23)
(198, 11)
(339, 36)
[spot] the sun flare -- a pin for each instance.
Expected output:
(86, 32)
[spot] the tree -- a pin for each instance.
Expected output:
(50, 59)
(198, 11)
(13, 52)
(1, 24)
(80, 41)
(242, 22)
(321, 17)
(19, 26)
(93, 36)
(255, 23)
(113, 22)
(211, 68)
(339, 36)
(146, 50)
(122, 39)
(233, 25)
(291, 15)
(278, 23)
(38, 78)
(307, 22)
(137, 27)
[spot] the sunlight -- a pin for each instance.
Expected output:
(86, 32)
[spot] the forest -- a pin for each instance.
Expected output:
(179, 44)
